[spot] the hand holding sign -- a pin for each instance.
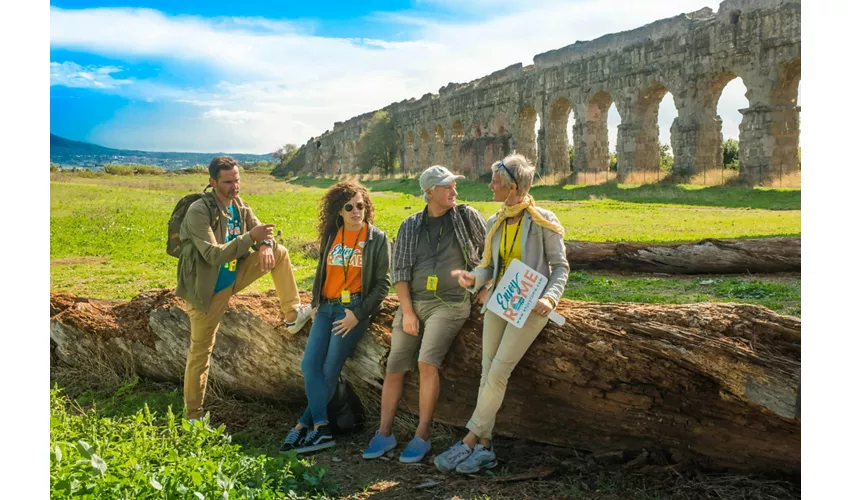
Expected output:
(517, 294)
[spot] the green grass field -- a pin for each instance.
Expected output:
(113, 435)
(107, 233)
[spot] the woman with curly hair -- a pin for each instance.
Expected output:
(352, 279)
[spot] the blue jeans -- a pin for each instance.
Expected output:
(323, 359)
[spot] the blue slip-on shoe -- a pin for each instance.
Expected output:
(481, 458)
(448, 460)
(415, 451)
(379, 445)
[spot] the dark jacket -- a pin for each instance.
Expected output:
(374, 275)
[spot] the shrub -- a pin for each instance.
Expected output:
(115, 169)
(87, 173)
(54, 167)
(194, 169)
(118, 169)
(148, 170)
(666, 157)
(144, 456)
(730, 154)
(612, 162)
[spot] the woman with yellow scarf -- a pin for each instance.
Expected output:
(519, 230)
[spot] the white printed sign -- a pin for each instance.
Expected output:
(517, 294)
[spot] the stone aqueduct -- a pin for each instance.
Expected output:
(693, 56)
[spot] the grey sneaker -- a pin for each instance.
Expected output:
(448, 460)
(481, 458)
(304, 313)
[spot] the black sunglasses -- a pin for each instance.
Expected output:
(349, 207)
(502, 165)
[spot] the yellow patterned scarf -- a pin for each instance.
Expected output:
(506, 212)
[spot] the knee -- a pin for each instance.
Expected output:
(428, 370)
(201, 347)
(498, 374)
(394, 378)
(485, 369)
(311, 367)
(280, 252)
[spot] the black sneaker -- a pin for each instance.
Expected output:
(317, 439)
(294, 438)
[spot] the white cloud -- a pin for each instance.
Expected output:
(70, 74)
(236, 117)
(281, 83)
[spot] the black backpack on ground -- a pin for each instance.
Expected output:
(345, 411)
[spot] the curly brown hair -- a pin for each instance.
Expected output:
(332, 203)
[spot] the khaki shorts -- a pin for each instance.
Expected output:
(438, 327)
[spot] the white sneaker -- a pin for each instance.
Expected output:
(304, 313)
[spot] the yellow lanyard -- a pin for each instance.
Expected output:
(347, 263)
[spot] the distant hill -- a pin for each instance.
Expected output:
(66, 152)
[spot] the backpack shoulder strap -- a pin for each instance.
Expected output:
(209, 201)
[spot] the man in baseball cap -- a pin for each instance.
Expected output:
(437, 175)
(433, 306)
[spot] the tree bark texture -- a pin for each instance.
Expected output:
(761, 255)
(715, 385)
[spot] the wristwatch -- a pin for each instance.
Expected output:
(265, 242)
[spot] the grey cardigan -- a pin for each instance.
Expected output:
(542, 249)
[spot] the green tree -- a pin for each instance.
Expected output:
(612, 162)
(666, 157)
(572, 155)
(730, 154)
(379, 144)
(285, 154)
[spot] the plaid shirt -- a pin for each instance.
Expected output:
(470, 231)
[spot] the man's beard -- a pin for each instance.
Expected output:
(231, 194)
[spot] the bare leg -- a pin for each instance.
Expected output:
(390, 396)
(429, 391)
(470, 439)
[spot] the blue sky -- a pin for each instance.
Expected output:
(248, 77)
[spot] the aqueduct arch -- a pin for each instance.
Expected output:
(691, 55)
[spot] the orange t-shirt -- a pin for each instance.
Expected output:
(350, 254)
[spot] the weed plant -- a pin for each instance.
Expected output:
(144, 455)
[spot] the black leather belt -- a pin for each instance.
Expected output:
(338, 300)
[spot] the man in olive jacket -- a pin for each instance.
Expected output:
(225, 248)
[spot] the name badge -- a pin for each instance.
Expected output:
(345, 297)
(431, 284)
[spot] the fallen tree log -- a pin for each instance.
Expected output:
(711, 384)
(761, 255)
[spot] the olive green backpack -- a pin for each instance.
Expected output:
(174, 246)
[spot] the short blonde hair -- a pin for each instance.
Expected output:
(521, 169)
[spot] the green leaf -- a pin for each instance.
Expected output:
(155, 484)
(200, 495)
(85, 449)
(182, 489)
(98, 463)
(186, 425)
(58, 453)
